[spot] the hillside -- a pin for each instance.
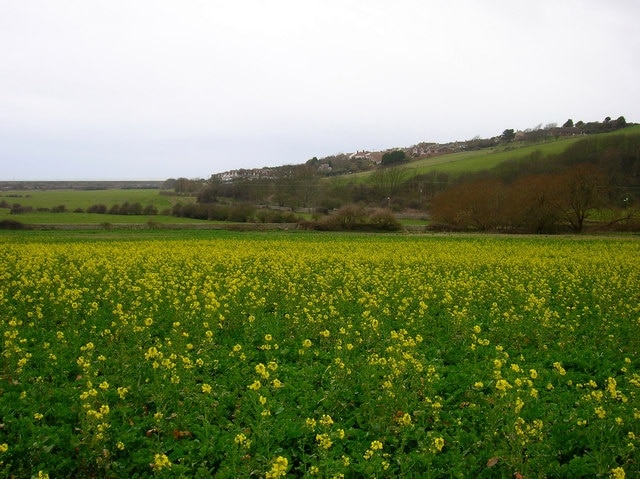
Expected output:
(477, 160)
(418, 185)
(476, 185)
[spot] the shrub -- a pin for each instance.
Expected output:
(150, 210)
(271, 216)
(348, 217)
(18, 209)
(384, 220)
(241, 213)
(12, 225)
(356, 218)
(97, 208)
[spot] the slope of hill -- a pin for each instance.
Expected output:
(485, 159)
(417, 184)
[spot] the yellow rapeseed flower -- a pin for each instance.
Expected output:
(405, 419)
(617, 473)
(310, 423)
(262, 370)
(278, 468)
(160, 461)
(376, 445)
(324, 441)
(326, 420)
(255, 385)
(502, 385)
(558, 367)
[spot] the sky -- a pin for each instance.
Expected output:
(157, 89)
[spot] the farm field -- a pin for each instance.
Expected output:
(80, 219)
(83, 199)
(73, 199)
(200, 354)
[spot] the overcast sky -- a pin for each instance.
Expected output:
(154, 89)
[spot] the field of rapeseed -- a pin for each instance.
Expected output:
(320, 356)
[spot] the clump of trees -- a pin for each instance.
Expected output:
(568, 128)
(355, 218)
(18, 209)
(550, 194)
(7, 224)
(125, 208)
(237, 213)
(541, 203)
(394, 157)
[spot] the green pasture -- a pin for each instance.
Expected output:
(473, 161)
(485, 159)
(91, 218)
(73, 199)
(83, 199)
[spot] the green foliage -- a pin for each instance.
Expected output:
(79, 219)
(508, 135)
(7, 224)
(317, 355)
(394, 157)
(356, 218)
(542, 193)
(85, 198)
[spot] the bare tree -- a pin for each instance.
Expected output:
(580, 190)
(387, 181)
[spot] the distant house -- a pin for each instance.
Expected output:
(360, 155)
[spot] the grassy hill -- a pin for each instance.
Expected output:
(484, 159)
(407, 188)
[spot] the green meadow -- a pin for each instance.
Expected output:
(83, 199)
(73, 199)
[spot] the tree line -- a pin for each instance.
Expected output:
(538, 194)
(125, 208)
(549, 194)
